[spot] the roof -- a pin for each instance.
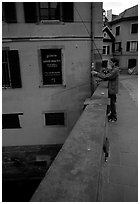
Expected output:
(128, 14)
(107, 29)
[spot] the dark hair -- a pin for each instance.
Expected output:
(115, 60)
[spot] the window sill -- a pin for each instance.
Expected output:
(52, 86)
(51, 22)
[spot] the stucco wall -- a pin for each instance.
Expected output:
(125, 35)
(33, 100)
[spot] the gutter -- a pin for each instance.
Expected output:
(91, 78)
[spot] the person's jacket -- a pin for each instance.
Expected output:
(113, 80)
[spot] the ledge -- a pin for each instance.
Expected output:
(74, 175)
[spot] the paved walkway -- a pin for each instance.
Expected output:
(120, 173)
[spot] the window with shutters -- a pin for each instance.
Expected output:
(9, 12)
(51, 63)
(55, 119)
(11, 121)
(134, 28)
(132, 46)
(10, 69)
(48, 11)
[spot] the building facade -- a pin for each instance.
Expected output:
(48, 48)
(108, 40)
(125, 30)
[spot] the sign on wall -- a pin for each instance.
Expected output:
(51, 66)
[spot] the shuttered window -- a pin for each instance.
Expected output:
(68, 11)
(30, 12)
(132, 46)
(9, 12)
(10, 69)
(62, 11)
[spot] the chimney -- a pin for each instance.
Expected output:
(109, 15)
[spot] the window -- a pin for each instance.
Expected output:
(11, 121)
(35, 12)
(105, 35)
(132, 63)
(51, 60)
(116, 47)
(106, 50)
(9, 12)
(132, 46)
(54, 119)
(134, 28)
(117, 30)
(49, 11)
(10, 69)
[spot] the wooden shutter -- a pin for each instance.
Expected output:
(67, 11)
(30, 12)
(113, 47)
(128, 46)
(9, 12)
(14, 69)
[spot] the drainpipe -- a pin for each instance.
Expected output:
(92, 57)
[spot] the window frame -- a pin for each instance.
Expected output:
(19, 121)
(13, 76)
(41, 85)
(117, 50)
(131, 28)
(117, 33)
(130, 46)
(55, 112)
(131, 43)
(105, 48)
(49, 12)
(64, 15)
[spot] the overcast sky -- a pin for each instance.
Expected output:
(118, 6)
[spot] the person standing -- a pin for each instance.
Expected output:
(113, 84)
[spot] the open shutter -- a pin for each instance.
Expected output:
(9, 12)
(14, 69)
(113, 47)
(128, 46)
(120, 47)
(30, 12)
(67, 11)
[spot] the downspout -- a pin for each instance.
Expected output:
(92, 58)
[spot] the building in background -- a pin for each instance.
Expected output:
(108, 40)
(47, 52)
(125, 30)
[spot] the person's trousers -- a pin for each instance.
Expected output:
(112, 107)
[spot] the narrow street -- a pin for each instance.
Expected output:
(130, 82)
(120, 172)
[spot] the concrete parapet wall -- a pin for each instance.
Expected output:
(75, 173)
